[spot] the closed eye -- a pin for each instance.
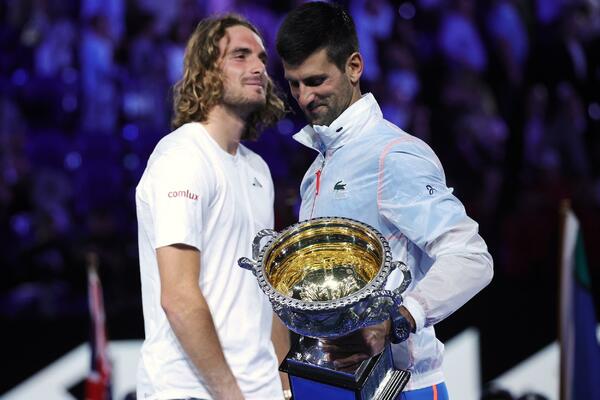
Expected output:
(311, 81)
(242, 53)
(314, 80)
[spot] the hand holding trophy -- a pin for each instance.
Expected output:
(325, 278)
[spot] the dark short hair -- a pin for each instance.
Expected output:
(314, 26)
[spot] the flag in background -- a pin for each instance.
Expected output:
(97, 383)
(579, 347)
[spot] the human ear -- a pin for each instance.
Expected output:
(354, 67)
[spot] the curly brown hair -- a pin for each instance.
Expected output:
(201, 87)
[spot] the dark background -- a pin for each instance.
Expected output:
(506, 92)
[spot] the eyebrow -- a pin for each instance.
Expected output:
(246, 50)
(307, 79)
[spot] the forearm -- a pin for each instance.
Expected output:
(452, 280)
(192, 322)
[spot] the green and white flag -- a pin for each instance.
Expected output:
(579, 347)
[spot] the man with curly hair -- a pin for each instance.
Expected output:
(210, 332)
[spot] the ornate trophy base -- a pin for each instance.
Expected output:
(375, 379)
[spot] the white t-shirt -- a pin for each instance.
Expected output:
(195, 193)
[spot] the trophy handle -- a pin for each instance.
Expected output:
(248, 264)
(258, 238)
(407, 278)
(396, 295)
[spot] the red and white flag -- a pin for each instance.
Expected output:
(97, 383)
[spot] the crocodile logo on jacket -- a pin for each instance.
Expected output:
(339, 185)
(339, 190)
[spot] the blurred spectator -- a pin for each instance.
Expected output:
(374, 21)
(459, 38)
(174, 45)
(547, 11)
(114, 10)
(510, 40)
(99, 73)
(575, 67)
(403, 87)
(569, 45)
(262, 14)
(481, 135)
(164, 13)
(145, 85)
(474, 144)
(56, 49)
(569, 125)
(99, 181)
(174, 51)
(538, 154)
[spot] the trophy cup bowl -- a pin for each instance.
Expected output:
(325, 278)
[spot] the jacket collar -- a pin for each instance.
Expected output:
(347, 126)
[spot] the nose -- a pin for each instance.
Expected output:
(305, 95)
(258, 66)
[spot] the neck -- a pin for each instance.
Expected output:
(226, 127)
(356, 94)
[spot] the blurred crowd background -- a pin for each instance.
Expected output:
(506, 92)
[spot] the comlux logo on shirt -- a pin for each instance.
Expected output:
(183, 193)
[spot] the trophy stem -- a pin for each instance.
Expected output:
(310, 351)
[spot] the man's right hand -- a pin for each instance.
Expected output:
(349, 351)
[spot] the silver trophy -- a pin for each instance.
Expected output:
(325, 278)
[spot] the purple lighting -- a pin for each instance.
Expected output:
(21, 224)
(73, 160)
(20, 77)
(131, 132)
(131, 161)
(69, 103)
(594, 111)
(285, 126)
(407, 10)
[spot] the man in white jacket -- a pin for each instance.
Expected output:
(370, 170)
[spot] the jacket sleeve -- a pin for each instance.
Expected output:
(414, 199)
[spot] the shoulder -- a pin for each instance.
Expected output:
(180, 140)
(179, 147)
(180, 157)
(387, 140)
(402, 150)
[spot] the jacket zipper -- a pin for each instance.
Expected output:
(318, 174)
(317, 186)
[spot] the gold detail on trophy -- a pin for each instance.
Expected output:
(325, 284)
(324, 263)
